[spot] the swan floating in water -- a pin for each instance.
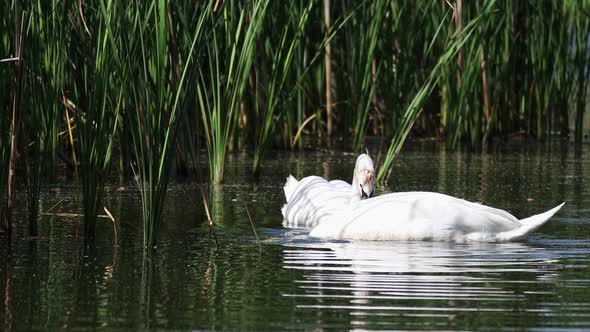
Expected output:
(337, 210)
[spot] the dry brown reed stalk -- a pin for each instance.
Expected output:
(300, 130)
(71, 215)
(14, 59)
(203, 196)
(328, 61)
(82, 17)
(252, 224)
(458, 16)
(69, 104)
(206, 206)
(54, 206)
(114, 226)
(200, 176)
(20, 19)
(484, 73)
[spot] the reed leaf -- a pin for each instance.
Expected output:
(276, 91)
(97, 97)
(6, 90)
(414, 109)
(43, 83)
(158, 105)
(363, 66)
(222, 82)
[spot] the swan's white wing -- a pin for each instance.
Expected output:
(416, 216)
(314, 200)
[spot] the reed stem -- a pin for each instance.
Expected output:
(20, 19)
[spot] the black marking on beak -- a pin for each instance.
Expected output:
(363, 193)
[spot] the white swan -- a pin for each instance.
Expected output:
(313, 199)
(414, 216)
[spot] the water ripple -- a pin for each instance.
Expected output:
(438, 281)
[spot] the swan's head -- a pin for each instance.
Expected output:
(363, 179)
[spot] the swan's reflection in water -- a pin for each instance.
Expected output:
(421, 282)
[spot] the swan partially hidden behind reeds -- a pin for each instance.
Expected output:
(338, 210)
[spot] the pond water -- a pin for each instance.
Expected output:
(229, 280)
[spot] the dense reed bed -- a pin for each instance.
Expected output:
(147, 86)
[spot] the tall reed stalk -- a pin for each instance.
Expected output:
(581, 58)
(7, 28)
(15, 120)
(159, 102)
(43, 84)
(456, 42)
(223, 79)
(362, 64)
(97, 100)
(4, 155)
(276, 89)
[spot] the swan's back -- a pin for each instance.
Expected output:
(312, 200)
(417, 216)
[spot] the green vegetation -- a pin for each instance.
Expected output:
(96, 100)
(153, 83)
(160, 99)
(222, 81)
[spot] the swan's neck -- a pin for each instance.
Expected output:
(356, 192)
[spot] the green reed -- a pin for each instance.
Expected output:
(581, 57)
(6, 91)
(275, 90)
(159, 100)
(362, 64)
(41, 127)
(96, 101)
(224, 75)
(456, 42)
(15, 111)
(525, 76)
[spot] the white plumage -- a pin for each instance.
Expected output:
(313, 200)
(336, 211)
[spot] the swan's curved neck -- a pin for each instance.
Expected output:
(356, 191)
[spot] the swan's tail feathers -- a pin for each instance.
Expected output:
(529, 225)
(290, 186)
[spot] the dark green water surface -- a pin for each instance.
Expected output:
(287, 281)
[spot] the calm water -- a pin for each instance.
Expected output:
(287, 281)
